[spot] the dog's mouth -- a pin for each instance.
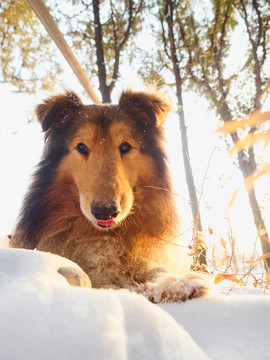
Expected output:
(106, 223)
(102, 220)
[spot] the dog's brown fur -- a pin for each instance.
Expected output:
(56, 215)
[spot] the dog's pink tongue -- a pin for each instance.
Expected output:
(106, 223)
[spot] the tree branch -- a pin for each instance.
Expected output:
(254, 47)
(133, 13)
(164, 39)
(173, 53)
(218, 46)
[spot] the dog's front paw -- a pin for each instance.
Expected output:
(170, 288)
(75, 277)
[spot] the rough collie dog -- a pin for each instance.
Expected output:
(102, 195)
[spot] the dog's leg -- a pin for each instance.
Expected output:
(168, 288)
(75, 277)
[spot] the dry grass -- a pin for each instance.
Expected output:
(225, 262)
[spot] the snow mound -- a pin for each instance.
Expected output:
(228, 327)
(43, 317)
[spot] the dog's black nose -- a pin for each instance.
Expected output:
(103, 211)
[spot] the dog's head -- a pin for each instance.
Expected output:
(106, 151)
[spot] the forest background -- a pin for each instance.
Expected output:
(211, 56)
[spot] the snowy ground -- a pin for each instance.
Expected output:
(43, 317)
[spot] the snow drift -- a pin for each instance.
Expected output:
(43, 317)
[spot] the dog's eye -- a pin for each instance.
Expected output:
(124, 148)
(82, 149)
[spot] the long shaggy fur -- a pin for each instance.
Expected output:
(107, 156)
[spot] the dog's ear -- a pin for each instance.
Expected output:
(147, 108)
(56, 109)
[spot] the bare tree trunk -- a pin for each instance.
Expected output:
(218, 95)
(200, 257)
(102, 76)
(247, 165)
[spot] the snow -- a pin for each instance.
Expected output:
(43, 317)
(233, 327)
